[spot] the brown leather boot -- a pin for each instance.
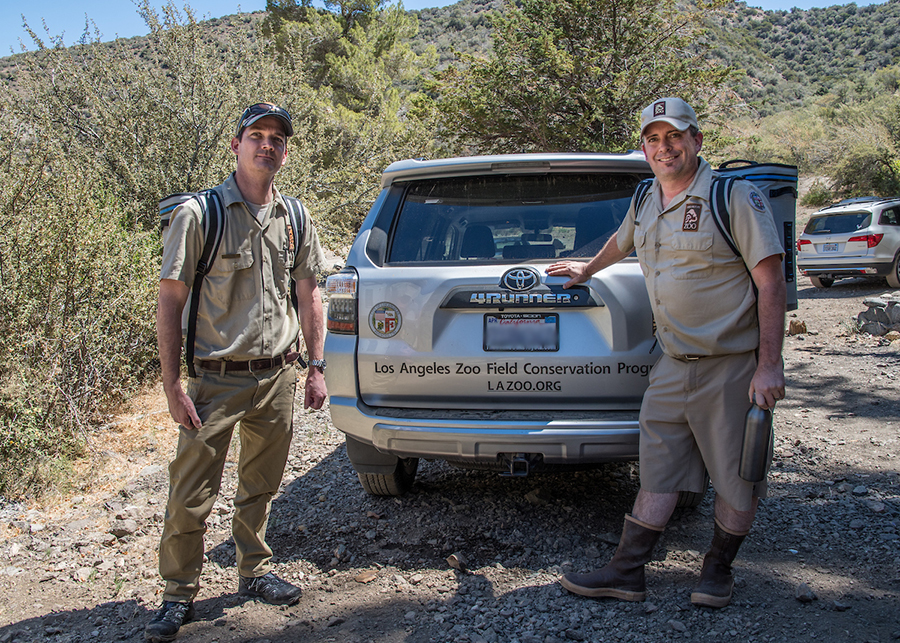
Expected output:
(623, 576)
(716, 581)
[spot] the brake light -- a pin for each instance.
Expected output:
(803, 242)
(871, 240)
(343, 305)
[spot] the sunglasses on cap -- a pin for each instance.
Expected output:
(261, 110)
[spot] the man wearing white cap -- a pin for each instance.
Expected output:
(720, 323)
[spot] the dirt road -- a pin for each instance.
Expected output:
(820, 564)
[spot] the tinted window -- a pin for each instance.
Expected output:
(838, 223)
(889, 216)
(509, 218)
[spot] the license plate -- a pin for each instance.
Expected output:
(829, 247)
(523, 332)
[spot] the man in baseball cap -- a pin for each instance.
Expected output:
(720, 323)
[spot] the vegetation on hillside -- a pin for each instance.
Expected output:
(92, 135)
(570, 75)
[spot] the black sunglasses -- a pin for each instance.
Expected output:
(261, 110)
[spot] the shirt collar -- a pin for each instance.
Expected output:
(231, 193)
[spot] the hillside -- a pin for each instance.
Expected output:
(787, 56)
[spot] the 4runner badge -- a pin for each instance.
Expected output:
(384, 320)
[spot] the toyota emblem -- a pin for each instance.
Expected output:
(520, 279)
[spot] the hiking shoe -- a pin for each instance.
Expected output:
(270, 588)
(168, 620)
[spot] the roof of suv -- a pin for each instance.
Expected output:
(856, 204)
(510, 163)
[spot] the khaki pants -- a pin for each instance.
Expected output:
(692, 419)
(263, 403)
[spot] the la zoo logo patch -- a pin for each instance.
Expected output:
(384, 320)
(691, 217)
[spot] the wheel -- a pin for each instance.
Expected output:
(690, 499)
(893, 277)
(825, 282)
(396, 483)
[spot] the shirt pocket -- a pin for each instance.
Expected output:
(692, 255)
(232, 277)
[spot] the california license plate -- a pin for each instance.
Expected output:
(525, 332)
(829, 247)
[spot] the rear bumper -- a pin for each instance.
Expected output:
(857, 269)
(480, 437)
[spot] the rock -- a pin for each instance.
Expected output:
(457, 561)
(797, 327)
(650, 608)
(804, 593)
(122, 528)
(366, 577)
(838, 606)
(82, 574)
(678, 626)
(860, 490)
(875, 506)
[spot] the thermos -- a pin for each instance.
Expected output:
(757, 443)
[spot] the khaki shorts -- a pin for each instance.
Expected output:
(692, 420)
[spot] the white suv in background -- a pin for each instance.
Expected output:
(854, 238)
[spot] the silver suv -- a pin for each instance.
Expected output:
(447, 339)
(854, 238)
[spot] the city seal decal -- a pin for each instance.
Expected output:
(757, 202)
(384, 320)
(691, 217)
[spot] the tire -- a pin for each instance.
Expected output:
(690, 499)
(396, 483)
(827, 282)
(893, 277)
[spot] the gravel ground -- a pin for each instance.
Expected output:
(820, 564)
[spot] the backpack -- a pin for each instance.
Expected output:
(778, 182)
(213, 220)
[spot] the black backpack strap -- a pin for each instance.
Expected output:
(719, 199)
(213, 217)
(640, 193)
(296, 219)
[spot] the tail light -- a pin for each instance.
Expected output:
(343, 305)
(803, 242)
(871, 240)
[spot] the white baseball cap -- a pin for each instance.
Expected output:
(672, 110)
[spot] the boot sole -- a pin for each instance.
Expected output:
(708, 600)
(603, 592)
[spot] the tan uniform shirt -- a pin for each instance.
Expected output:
(700, 291)
(245, 306)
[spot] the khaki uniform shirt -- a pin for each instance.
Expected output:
(245, 306)
(700, 291)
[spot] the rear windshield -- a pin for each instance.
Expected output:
(839, 223)
(509, 218)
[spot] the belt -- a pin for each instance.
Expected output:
(691, 358)
(263, 364)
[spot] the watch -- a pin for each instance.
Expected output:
(318, 363)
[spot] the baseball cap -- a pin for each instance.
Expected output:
(672, 110)
(261, 110)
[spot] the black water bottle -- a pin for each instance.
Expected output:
(757, 442)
